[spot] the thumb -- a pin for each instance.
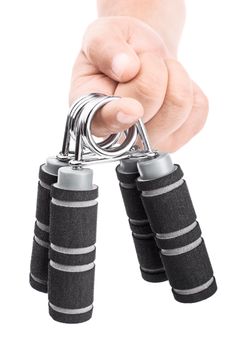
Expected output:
(108, 50)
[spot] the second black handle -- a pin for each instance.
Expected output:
(151, 266)
(40, 249)
(172, 217)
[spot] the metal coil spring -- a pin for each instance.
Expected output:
(78, 127)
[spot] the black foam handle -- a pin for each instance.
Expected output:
(151, 266)
(40, 248)
(173, 220)
(73, 217)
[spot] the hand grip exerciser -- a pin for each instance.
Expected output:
(162, 219)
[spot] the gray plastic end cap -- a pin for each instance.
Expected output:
(128, 166)
(75, 179)
(52, 165)
(155, 168)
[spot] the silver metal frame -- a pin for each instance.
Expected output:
(87, 151)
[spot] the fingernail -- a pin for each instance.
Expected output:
(120, 63)
(126, 118)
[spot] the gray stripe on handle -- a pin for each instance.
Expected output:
(43, 184)
(42, 227)
(194, 290)
(147, 235)
(38, 280)
(182, 250)
(161, 269)
(82, 204)
(178, 233)
(71, 311)
(69, 268)
(72, 251)
(128, 186)
(163, 190)
(41, 243)
(138, 222)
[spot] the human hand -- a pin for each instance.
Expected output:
(125, 57)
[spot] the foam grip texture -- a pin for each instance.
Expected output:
(73, 227)
(180, 240)
(151, 266)
(39, 257)
(133, 203)
(72, 255)
(41, 234)
(63, 284)
(39, 267)
(170, 211)
(69, 318)
(43, 203)
(189, 270)
(173, 220)
(72, 259)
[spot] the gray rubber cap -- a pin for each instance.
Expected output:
(129, 166)
(52, 165)
(75, 179)
(155, 168)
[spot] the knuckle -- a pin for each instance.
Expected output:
(146, 89)
(92, 46)
(182, 98)
(113, 128)
(93, 38)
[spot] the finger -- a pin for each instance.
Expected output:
(116, 116)
(87, 79)
(191, 126)
(107, 49)
(177, 104)
(149, 86)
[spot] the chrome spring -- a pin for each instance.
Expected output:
(87, 149)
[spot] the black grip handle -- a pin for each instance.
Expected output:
(173, 220)
(39, 258)
(151, 266)
(73, 217)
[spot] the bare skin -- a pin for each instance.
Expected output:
(131, 51)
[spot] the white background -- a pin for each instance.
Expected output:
(39, 42)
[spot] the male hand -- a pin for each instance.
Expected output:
(125, 57)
